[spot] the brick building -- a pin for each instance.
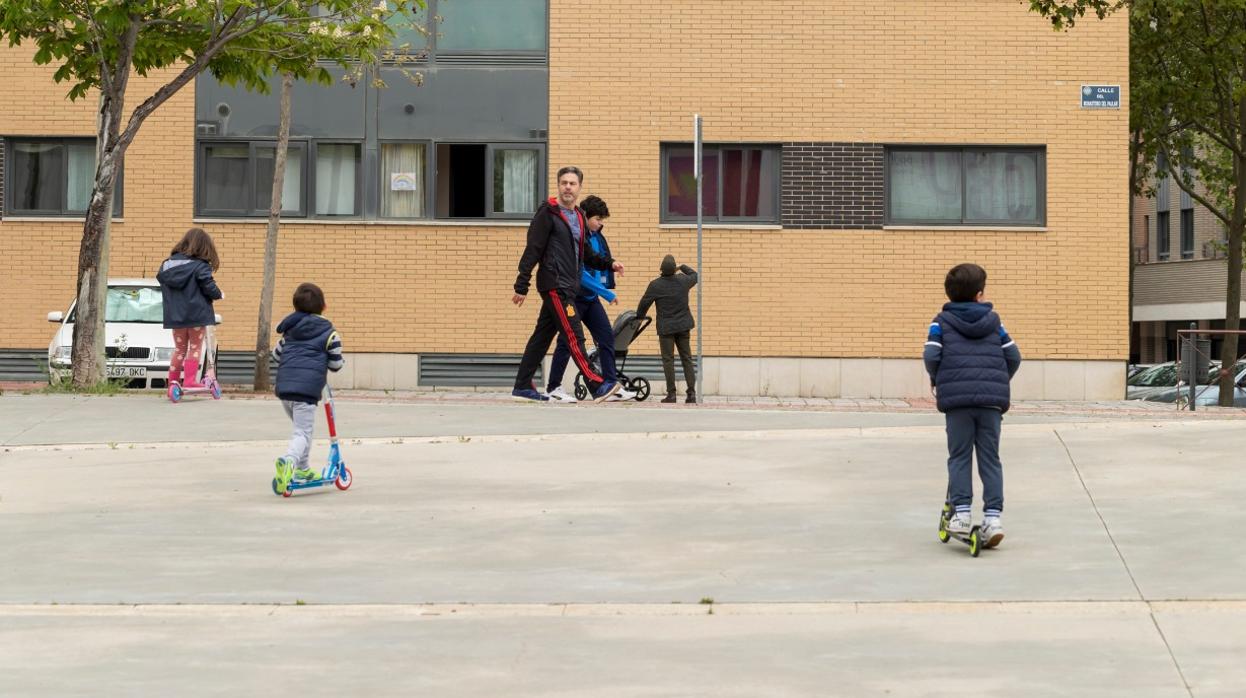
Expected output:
(855, 151)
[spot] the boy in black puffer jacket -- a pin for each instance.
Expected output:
(675, 323)
(308, 348)
(971, 360)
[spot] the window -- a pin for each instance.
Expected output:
(488, 180)
(1161, 235)
(1187, 233)
(52, 177)
(739, 184)
(410, 29)
(966, 186)
(403, 173)
(337, 179)
(472, 26)
(236, 178)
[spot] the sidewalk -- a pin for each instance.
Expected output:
(488, 548)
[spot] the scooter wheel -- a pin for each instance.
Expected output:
(275, 490)
(975, 542)
(175, 393)
(344, 479)
(216, 390)
(287, 492)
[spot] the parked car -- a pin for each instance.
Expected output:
(1151, 380)
(1205, 394)
(137, 347)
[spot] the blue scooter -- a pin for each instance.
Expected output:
(336, 473)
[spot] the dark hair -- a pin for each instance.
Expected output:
(308, 298)
(570, 169)
(198, 244)
(594, 206)
(964, 282)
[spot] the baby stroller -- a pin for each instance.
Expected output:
(627, 327)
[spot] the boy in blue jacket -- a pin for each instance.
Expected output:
(595, 284)
(309, 347)
(971, 360)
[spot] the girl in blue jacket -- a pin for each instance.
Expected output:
(189, 290)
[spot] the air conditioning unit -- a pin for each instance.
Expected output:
(205, 128)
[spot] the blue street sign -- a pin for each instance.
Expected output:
(1101, 96)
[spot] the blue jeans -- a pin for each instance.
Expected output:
(593, 316)
(970, 430)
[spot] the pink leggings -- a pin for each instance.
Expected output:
(187, 344)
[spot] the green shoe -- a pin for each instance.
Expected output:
(306, 474)
(285, 472)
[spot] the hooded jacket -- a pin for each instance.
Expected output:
(561, 258)
(670, 292)
(970, 357)
(188, 289)
(309, 347)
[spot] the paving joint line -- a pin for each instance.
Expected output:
(1125, 563)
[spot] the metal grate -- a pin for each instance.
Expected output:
(129, 353)
(238, 367)
(492, 59)
(24, 365)
(483, 370)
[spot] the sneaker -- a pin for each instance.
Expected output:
(959, 523)
(528, 395)
(560, 395)
(623, 394)
(605, 391)
(992, 532)
(670, 397)
(306, 474)
(285, 473)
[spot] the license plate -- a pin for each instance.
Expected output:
(127, 371)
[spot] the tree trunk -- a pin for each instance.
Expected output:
(1233, 298)
(263, 331)
(88, 339)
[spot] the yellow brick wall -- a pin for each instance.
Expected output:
(963, 71)
(781, 70)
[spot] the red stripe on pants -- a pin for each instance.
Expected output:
(574, 342)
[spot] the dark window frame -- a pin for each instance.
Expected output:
(430, 174)
(10, 180)
(490, 147)
(964, 221)
(309, 202)
(1187, 233)
(665, 216)
(255, 208)
(1163, 238)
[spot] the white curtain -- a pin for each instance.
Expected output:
(335, 179)
(1001, 187)
(518, 180)
(81, 176)
(402, 159)
(925, 185)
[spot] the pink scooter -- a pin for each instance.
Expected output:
(209, 384)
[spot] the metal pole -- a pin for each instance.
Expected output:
(699, 171)
(1193, 366)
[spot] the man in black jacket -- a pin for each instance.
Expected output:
(556, 242)
(670, 292)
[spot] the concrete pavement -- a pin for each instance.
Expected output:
(488, 549)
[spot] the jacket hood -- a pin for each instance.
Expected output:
(177, 271)
(668, 265)
(303, 326)
(973, 320)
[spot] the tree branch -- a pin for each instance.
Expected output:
(1176, 176)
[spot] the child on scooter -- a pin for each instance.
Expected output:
(309, 347)
(971, 360)
(189, 290)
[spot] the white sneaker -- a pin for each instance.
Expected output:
(623, 394)
(560, 395)
(992, 532)
(959, 523)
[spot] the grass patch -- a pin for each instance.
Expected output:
(66, 387)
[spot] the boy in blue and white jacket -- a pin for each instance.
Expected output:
(308, 349)
(594, 285)
(971, 360)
